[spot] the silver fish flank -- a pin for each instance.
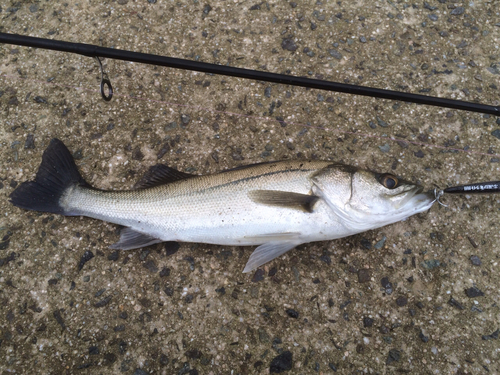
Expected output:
(274, 205)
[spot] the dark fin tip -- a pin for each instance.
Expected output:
(56, 174)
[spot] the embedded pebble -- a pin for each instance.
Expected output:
(150, 265)
(206, 9)
(385, 148)
(496, 133)
(57, 315)
(474, 292)
(493, 336)
(103, 302)
(367, 322)
(393, 356)
(334, 53)
(289, 44)
(171, 247)
(419, 154)
(453, 302)
(114, 255)
(30, 142)
(40, 99)
(381, 122)
(363, 275)
(326, 259)
(4, 244)
(7, 259)
(430, 264)
(475, 260)
(401, 301)
(380, 244)
(88, 255)
(165, 271)
(387, 285)
(281, 363)
(185, 120)
(458, 11)
(119, 328)
(93, 350)
(137, 154)
(423, 337)
(366, 243)
(258, 275)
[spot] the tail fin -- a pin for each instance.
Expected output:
(55, 175)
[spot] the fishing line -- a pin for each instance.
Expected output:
(207, 109)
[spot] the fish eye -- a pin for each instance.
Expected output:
(389, 181)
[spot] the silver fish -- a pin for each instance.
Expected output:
(274, 205)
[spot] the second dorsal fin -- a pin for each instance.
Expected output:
(160, 174)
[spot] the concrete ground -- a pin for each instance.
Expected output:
(419, 297)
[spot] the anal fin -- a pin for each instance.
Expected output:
(267, 252)
(130, 239)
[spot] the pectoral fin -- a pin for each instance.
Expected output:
(130, 239)
(284, 199)
(267, 252)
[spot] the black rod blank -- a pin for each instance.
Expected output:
(144, 58)
(478, 188)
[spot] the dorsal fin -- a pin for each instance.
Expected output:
(160, 174)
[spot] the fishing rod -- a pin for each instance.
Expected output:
(478, 188)
(491, 187)
(144, 58)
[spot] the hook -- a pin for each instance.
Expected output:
(105, 82)
(438, 194)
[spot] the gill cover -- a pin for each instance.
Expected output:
(365, 200)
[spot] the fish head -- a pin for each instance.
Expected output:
(366, 200)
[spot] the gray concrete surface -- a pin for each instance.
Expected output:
(417, 297)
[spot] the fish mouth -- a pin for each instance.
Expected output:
(417, 199)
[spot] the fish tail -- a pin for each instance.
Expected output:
(56, 174)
